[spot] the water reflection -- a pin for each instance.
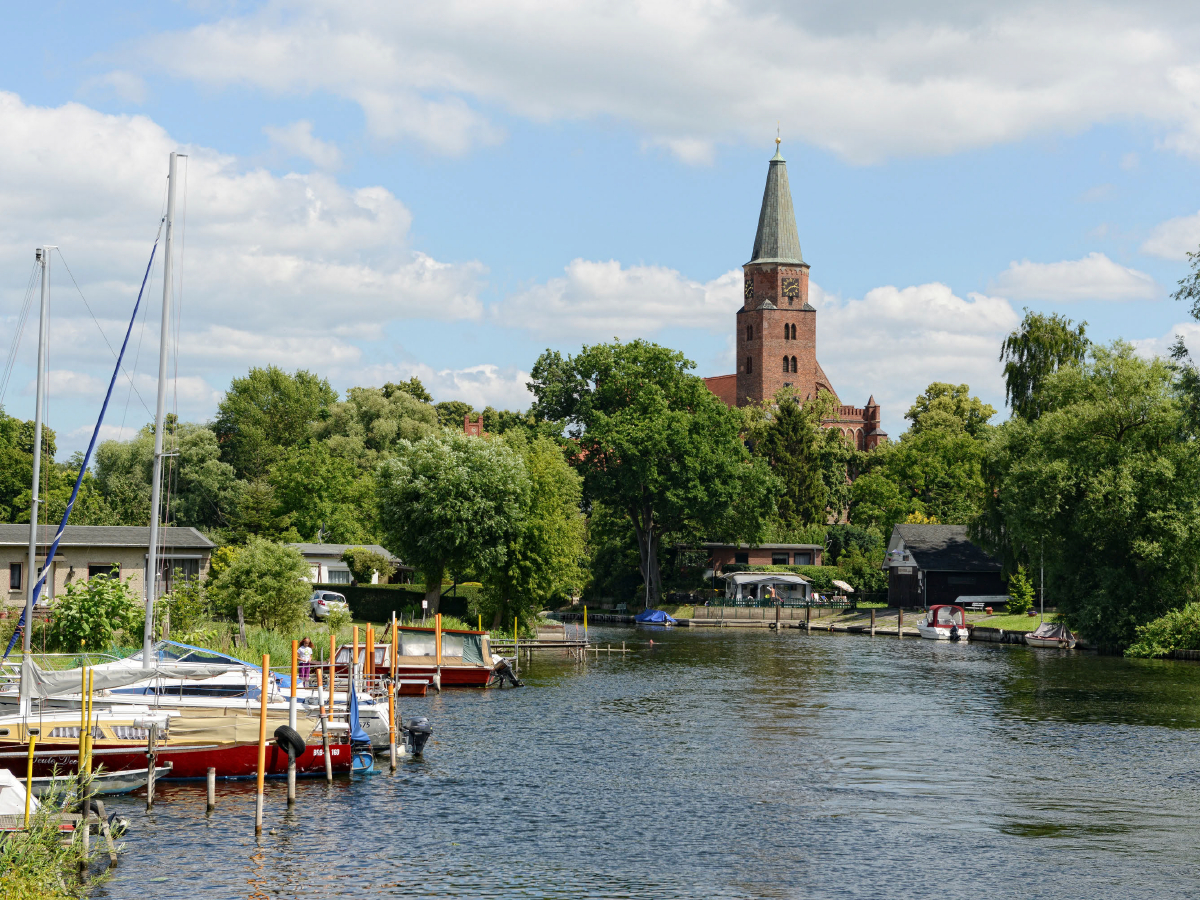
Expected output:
(726, 763)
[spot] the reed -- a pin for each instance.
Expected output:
(36, 864)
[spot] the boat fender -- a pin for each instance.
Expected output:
(289, 740)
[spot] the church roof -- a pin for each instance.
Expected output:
(776, 240)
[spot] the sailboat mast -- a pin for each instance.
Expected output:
(43, 257)
(152, 567)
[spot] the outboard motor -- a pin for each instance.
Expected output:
(416, 733)
(954, 632)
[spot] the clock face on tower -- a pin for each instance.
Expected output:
(791, 289)
(749, 291)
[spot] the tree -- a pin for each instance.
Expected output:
(1020, 593)
(450, 413)
(546, 544)
(365, 563)
(92, 612)
(313, 490)
(1188, 290)
(266, 412)
(790, 444)
(450, 501)
(1041, 346)
(1108, 477)
(652, 441)
(948, 407)
(412, 387)
(268, 580)
(368, 425)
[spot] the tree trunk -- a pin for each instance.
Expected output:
(647, 538)
(433, 587)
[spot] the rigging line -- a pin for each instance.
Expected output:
(142, 333)
(22, 318)
(98, 328)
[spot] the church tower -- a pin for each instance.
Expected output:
(777, 327)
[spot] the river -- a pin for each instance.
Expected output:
(743, 764)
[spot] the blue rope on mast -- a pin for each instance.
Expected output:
(62, 526)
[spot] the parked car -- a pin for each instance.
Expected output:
(325, 602)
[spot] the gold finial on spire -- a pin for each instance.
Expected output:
(778, 140)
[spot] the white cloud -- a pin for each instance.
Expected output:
(1174, 238)
(1161, 346)
(895, 341)
(602, 300)
(866, 80)
(297, 139)
(65, 383)
(83, 434)
(1095, 277)
(482, 385)
(126, 85)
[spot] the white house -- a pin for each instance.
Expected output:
(327, 566)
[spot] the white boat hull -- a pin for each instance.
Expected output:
(939, 632)
(1052, 643)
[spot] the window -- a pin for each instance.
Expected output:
(785, 365)
(749, 332)
(339, 576)
(793, 332)
(787, 331)
(14, 576)
(741, 559)
(794, 364)
(804, 559)
(779, 559)
(749, 365)
(103, 570)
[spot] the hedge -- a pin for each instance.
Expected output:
(376, 602)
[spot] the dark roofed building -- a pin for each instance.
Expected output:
(930, 564)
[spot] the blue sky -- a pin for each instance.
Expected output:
(447, 190)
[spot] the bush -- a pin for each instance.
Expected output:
(1177, 630)
(365, 563)
(92, 613)
(188, 604)
(268, 581)
(1020, 593)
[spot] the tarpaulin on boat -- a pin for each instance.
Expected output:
(45, 684)
(357, 734)
(230, 729)
(1052, 631)
(653, 617)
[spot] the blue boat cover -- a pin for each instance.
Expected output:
(653, 617)
(356, 730)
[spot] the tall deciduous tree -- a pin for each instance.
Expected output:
(791, 444)
(451, 502)
(1033, 353)
(1107, 480)
(370, 422)
(267, 412)
(269, 582)
(651, 441)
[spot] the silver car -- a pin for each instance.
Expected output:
(325, 602)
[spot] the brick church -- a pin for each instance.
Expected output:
(776, 325)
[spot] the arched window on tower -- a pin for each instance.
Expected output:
(749, 365)
(793, 332)
(785, 365)
(794, 369)
(787, 331)
(749, 332)
(858, 434)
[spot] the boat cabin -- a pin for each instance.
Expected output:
(753, 587)
(466, 656)
(947, 617)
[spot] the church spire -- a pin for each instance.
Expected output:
(776, 240)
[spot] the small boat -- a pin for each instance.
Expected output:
(1049, 634)
(104, 782)
(466, 658)
(944, 623)
(653, 617)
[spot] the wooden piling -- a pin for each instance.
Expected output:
(107, 833)
(899, 621)
(808, 620)
(437, 639)
(151, 762)
(242, 627)
(369, 653)
(872, 621)
(392, 725)
(262, 743)
(212, 790)
(395, 645)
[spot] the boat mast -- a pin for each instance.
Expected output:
(43, 257)
(152, 568)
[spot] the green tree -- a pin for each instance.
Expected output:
(652, 441)
(1109, 477)
(364, 563)
(370, 422)
(948, 407)
(545, 546)
(267, 412)
(790, 444)
(256, 514)
(1188, 290)
(412, 387)
(1020, 593)
(450, 413)
(450, 502)
(91, 613)
(313, 490)
(1033, 353)
(269, 582)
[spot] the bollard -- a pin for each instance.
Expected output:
(899, 621)
(262, 743)
(808, 620)
(872, 621)
(151, 762)
(212, 790)
(29, 775)
(437, 640)
(392, 725)
(353, 663)
(324, 729)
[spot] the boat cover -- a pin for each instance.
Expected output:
(357, 733)
(229, 729)
(45, 684)
(1051, 631)
(653, 617)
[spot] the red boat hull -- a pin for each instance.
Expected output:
(452, 676)
(230, 761)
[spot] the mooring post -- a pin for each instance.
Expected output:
(808, 620)
(262, 743)
(106, 832)
(29, 774)
(900, 621)
(392, 725)
(324, 727)
(212, 790)
(872, 621)
(151, 763)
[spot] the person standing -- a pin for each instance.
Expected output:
(304, 655)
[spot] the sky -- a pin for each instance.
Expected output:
(389, 189)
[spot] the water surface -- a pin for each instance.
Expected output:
(725, 763)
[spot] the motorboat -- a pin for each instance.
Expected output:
(102, 781)
(944, 623)
(1051, 634)
(653, 617)
(466, 658)
(752, 588)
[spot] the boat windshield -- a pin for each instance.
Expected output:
(947, 617)
(171, 651)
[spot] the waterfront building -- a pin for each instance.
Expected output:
(931, 564)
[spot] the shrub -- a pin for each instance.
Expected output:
(1020, 593)
(1177, 630)
(188, 604)
(268, 581)
(364, 563)
(92, 612)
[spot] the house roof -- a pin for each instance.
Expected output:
(765, 578)
(107, 536)
(942, 548)
(335, 551)
(776, 240)
(719, 546)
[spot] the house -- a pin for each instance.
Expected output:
(327, 566)
(86, 551)
(764, 554)
(930, 564)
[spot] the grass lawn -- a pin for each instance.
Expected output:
(1009, 623)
